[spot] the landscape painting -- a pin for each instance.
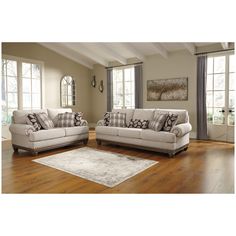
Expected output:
(175, 89)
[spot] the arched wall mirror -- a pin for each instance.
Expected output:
(67, 91)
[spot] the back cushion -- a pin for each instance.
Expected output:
(20, 116)
(53, 113)
(143, 114)
(129, 114)
(182, 114)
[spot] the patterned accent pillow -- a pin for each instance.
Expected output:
(170, 122)
(66, 119)
(31, 119)
(78, 118)
(44, 120)
(158, 122)
(117, 119)
(136, 123)
(106, 118)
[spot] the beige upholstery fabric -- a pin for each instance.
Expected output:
(182, 114)
(47, 134)
(84, 122)
(130, 132)
(19, 116)
(160, 136)
(52, 113)
(143, 114)
(76, 130)
(107, 130)
(21, 129)
(129, 114)
(181, 129)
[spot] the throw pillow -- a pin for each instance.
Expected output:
(170, 122)
(117, 119)
(66, 119)
(136, 123)
(158, 122)
(106, 118)
(78, 118)
(31, 119)
(44, 120)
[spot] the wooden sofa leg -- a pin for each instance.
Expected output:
(15, 148)
(185, 149)
(85, 141)
(99, 142)
(171, 154)
(35, 153)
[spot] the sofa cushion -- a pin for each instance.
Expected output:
(129, 132)
(140, 124)
(44, 120)
(19, 116)
(52, 113)
(76, 130)
(143, 114)
(66, 119)
(108, 130)
(160, 136)
(158, 122)
(31, 119)
(47, 134)
(170, 122)
(129, 114)
(182, 114)
(117, 119)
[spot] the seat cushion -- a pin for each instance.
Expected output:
(108, 130)
(76, 130)
(143, 114)
(129, 132)
(47, 134)
(160, 136)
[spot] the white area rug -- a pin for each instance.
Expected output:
(107, 168)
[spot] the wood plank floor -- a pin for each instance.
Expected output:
(206, 167)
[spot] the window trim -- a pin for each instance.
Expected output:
(19, 61)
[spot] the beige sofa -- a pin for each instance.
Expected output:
(167, 142)
(23, 136)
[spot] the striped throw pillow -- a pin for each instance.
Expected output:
(44, 120)
(66, 119)
(117, 119)
(158, 122)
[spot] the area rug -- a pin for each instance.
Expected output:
(106, 168)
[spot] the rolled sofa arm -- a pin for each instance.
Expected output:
(84, 122)
(100, 123)
(181, 129)
(21, 129)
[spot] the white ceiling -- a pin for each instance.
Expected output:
(89, 54)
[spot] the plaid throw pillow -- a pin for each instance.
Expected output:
(66, 119)
(117, 119)
(136, 123)
(106, 118)
(78, 118)
(170, 122)
(44, 121)
(158, 122)
(31, 119)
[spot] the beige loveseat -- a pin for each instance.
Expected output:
(167, 142)
(23, 136)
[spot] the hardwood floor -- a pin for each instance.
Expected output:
(206, 167)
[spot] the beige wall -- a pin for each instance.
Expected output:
(178, 64)
(55, 67)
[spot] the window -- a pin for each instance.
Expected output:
(220, 89)
(123, 88)
(67, 91)
(21, 86)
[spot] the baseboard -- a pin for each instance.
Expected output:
(92, 125)
(193, 135)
